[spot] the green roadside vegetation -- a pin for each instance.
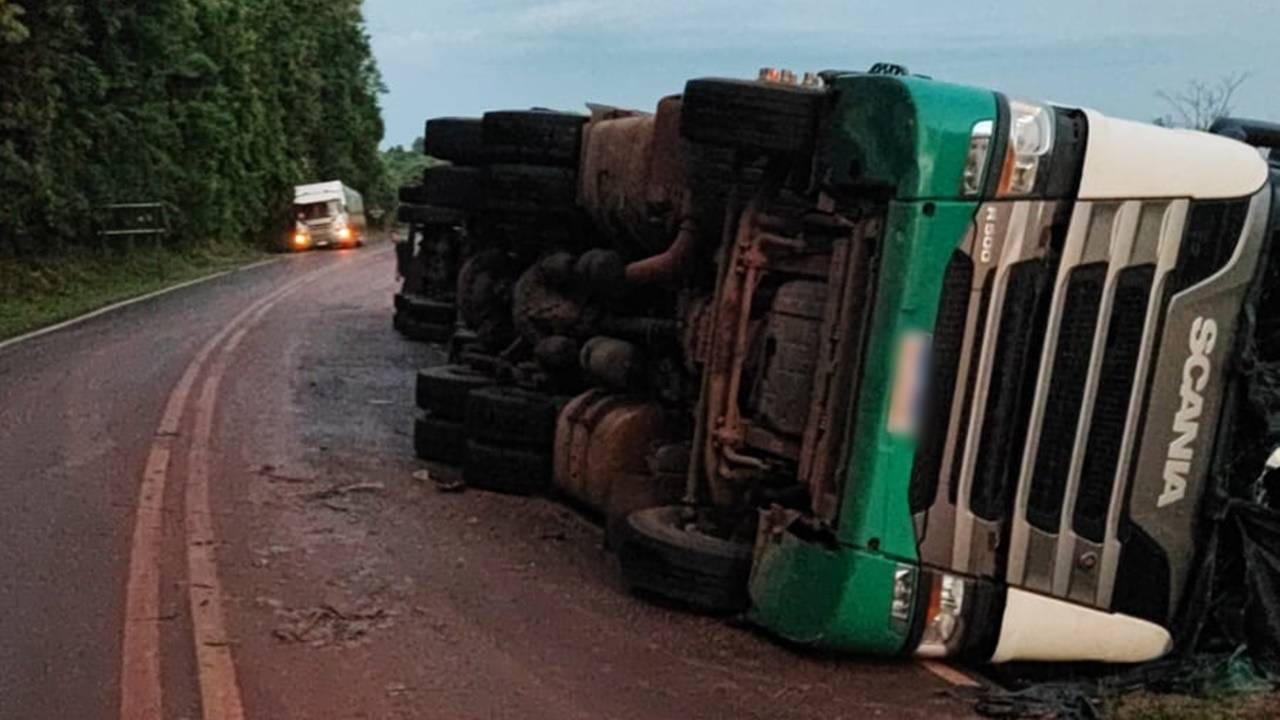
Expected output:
(405, 165)
(214, 108)
(40, 291)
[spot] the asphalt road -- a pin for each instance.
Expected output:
(208, 510)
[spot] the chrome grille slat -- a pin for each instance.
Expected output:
(1165, 257)
(976, 542)
(1111, 407)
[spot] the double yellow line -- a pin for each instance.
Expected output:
(141, 681)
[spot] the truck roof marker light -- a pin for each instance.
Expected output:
(1030, 139)
(944, 618)
(777, 76)
(812, 80)
(975, 166)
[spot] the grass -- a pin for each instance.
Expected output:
(40, 291)
(1150, 706)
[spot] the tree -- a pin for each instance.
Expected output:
(1200, 103)
(405, 166)
(214, 107)
(11, 28)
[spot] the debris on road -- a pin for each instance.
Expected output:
(341, 490)
(444, 484)
(326, 625)
(272, 474)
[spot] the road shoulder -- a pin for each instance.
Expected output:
(39, 295)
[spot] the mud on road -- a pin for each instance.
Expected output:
(386, 598)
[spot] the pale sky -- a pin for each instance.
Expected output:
(462, 58)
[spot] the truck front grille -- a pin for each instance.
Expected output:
(1049, 385)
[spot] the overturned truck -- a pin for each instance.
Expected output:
(893, 365)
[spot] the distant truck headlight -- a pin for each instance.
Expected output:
(344, 233)
(300, 239)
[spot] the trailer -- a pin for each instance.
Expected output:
(890, 364)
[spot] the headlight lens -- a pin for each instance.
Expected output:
(1030, 139)
(944, 619)
(344, 233)
(904, 593)
(975, 167)
(299, 239)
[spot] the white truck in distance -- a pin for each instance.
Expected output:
(327, 214)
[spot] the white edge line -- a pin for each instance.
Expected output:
(950, 674)
(131, 301)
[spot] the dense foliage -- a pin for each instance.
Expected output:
(405, 165)
(216, 107)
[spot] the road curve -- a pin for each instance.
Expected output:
(386, 601)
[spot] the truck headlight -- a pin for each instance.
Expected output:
(1030, 139)
(300, 239)
(975, 166)
(944, 618)
(344, 233)
(904, 594)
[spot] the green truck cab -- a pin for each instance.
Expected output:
(1016, 389)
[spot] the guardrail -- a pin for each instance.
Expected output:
(129, 222)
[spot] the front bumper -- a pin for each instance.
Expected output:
(818, 593)
(825, 595)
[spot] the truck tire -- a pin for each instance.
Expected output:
(454, 187)
(749, 115)
(411, 195)
(506, 470)
(458, 140)
(512, 417)
(660, 556)
(562, 229)
(429, 215)
(419, 331)
(436, 312)
(439, 440)
(540, 137)
(484, 295)
(530, 188)
(443, 390)
(713, 174)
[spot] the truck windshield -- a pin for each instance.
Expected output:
(316, 210)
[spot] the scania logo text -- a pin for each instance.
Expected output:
(1186, 423)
